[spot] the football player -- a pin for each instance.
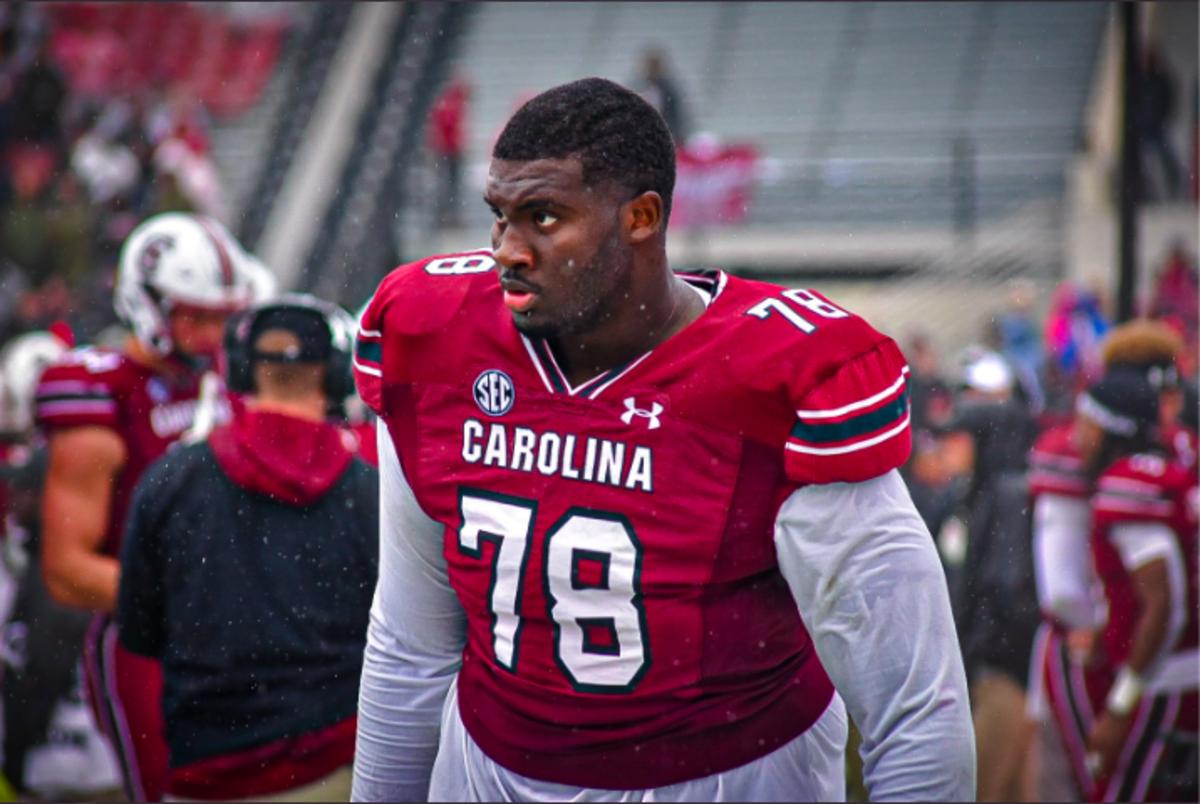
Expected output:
(1069, 592)
(642, 532)
(1071, 602)
(109, 414)
(1144, 550)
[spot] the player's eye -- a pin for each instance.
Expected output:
(497, 214)
(544, 219)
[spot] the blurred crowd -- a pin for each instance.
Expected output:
(976, 422)
(82, 161)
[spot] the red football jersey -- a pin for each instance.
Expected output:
(612, 543)
(150, 411)
(1143, 488)
(1055, 466)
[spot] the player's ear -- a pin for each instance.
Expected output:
(644, 216)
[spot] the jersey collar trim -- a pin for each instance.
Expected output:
(556, 380)
(711, 283)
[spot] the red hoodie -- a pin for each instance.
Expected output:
(291, 459)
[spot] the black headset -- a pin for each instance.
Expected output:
(239, 350)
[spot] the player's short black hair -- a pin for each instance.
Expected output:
(616, 134)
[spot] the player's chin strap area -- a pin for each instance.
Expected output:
(206, 410)
(194, 364)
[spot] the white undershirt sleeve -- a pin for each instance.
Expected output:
(1062, 560)
(866, 578)
(414, 646)
(1140, 543)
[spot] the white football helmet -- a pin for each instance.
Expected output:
(179, 258)
(22, 362)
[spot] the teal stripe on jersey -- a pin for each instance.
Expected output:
(869, 422)
(371, 352)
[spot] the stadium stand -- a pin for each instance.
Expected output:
(923, 142)
(361, 216)
(858, 107)
(226, 60)
(318, 43)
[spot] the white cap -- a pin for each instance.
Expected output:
(988, 373)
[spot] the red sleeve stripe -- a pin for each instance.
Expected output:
(1037, 458)
(1131, 486)
(845, 411)
(1128, 505)
(66, 388)
(1048, 481)
(76, 407)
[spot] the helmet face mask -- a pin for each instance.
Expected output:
(179, 259)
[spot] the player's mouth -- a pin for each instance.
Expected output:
(518, 296)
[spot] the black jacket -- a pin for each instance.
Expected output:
(256, 606)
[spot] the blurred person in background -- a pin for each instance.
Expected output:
(25, 227)
(1069, 592)
(22, 361)
(1070, 599)
(447, 138)
(930, 395)
(260, 683)
(987, 439)
(103, 159)
(934, 489)
(1075, 326)
(1157, 105)
(52, 747)
(41, 91)
(1135, 723)
(107, 415)
(1177, 291)
(660, 89)
(1020, 341)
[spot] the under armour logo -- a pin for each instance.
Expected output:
(631, 410)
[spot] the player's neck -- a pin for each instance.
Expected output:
(641, 327)
(139, 354)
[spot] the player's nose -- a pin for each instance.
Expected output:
(510, 249)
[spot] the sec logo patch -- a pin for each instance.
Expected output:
(494, 393)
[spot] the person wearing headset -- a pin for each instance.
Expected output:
(248, 566)
(106, 414)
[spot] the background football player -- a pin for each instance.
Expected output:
(107, 415)
(1144, 548)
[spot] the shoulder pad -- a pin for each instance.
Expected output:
(423, 296)
(82, 388)
(1137, 487)
(1055, 466)
(415, 299)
